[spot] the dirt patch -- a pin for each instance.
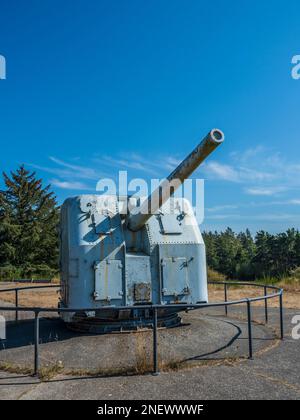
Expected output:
(49, 297)
(291, 295)
(39, 297)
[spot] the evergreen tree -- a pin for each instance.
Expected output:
(244, 258)
(245, 269)
(227, 247)
(28, 224)
(211, 250)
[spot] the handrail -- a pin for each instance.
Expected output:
(29, 287)
(188, 307)
(150, 306)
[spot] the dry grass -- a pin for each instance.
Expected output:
(142, 363)
(291, 295)
(48, 372)
(40, 297)
(12, 368)
(49, 297)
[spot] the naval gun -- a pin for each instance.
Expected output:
(150, 253)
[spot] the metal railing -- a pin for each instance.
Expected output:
(277, 293)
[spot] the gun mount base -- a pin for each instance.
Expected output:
(103, 324)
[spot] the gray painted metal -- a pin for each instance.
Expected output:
(107, 264)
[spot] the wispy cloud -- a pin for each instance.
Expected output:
(248, 154)
(262, 217)
(155, 167)
(69, 175)
(69, 185)
(238, 174)
(221, 208)
(261, 171)
(265, 191)
(258, 171)
(66, 173)
(222, 216)
(292, 202)
(220, 171)
(170, 163)
(124, 164)
(252, 204)
(52, 170)
(81, 171)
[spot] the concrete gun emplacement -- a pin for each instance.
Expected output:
(149, 256)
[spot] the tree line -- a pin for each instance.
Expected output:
(29, 246)
(244, 257)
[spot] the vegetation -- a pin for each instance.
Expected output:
(28, 227)
(29, 241)
(243, 257)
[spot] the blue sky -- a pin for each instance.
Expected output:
(97, 86)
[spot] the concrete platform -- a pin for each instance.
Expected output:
(201, 338)
(273, 374)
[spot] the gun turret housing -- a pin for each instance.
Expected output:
(111, 263)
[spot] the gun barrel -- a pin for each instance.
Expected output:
(139, 215)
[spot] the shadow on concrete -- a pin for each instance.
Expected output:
(21, 333)
(218, 350)
(52, 329)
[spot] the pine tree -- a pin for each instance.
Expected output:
(211, 249)
(264, 256)
(245, 258)
(28, 220)
(227, 247)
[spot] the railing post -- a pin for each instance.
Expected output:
(225, 298)
(16, 304)
(36, 343)
(155, 358)
(281, 316)
(249, 329)
(266, 305)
